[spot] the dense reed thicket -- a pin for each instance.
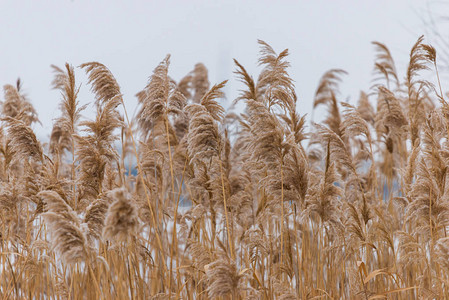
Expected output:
(189, 201)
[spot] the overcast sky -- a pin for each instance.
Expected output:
(132, 37)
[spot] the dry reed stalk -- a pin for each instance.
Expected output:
(361, 212)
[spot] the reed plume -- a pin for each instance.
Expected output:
(23, 143)
(103, 82)
(17, 105)
(67, 237)
(120, 223)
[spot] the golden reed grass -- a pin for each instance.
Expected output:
(189, 201)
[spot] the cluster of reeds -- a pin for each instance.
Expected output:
(188, 201)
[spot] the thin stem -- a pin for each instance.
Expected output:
(173, 193)
(282, 212)
(145, 187)
(226, 211)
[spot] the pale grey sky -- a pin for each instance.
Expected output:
(132, 37)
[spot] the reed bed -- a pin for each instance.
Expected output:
(187, 200)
